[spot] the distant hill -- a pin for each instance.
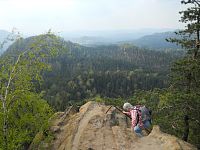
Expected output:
(3, 36)
(89, 38)
(156, 41)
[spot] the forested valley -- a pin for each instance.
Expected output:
(114, 71)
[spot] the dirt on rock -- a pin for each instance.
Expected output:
(92, 129)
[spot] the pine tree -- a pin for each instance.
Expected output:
(186, 72)
(185, 85)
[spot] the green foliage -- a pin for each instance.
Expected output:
(174, 105)
(23, 111)
(29, 115)
(186, 74)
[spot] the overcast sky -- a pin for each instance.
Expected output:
(36, 16)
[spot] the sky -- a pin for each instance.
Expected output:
(38, 16)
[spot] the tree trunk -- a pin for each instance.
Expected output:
(186, 130)
(5, 132)
(5, 143)
(198, 38)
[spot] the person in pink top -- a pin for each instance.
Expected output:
(137, 122)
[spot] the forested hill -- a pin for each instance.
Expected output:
(110, 71)
(157, 41)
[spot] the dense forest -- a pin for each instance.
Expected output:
(109, 71)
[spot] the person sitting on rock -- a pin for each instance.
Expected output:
(140, 116)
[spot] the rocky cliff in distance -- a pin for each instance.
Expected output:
(92, 129)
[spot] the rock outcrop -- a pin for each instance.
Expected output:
(92, 129)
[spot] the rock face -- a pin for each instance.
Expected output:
(92, 129)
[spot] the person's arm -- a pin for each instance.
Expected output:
(128, 113)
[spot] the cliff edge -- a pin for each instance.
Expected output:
(92, 129)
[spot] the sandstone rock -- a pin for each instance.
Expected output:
(92, 129)
(55, 129)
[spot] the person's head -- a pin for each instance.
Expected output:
(127, 106)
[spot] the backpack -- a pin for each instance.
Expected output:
(144, 112)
